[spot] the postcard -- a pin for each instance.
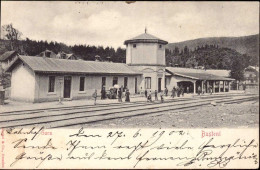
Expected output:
(129, 85)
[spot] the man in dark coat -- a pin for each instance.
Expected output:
(145, 93)
(156, 95)
(119, 95)
(103, 93)
(182, 91)
(173, 92)
(178, 91)
(166, 91)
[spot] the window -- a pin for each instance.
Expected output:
(134, 45)
(48, 54)
(147, 82)
(125, 82)
(115, 81)
(51, 83)
(160, 46)
(103, 84)
(81, 83)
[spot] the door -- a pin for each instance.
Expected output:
(67, 86)
(159, 84)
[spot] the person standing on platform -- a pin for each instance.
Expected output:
(102, 93)
(94, 95)
(156, 95)
(173, 92)
(141, 91)
(178, 91)
(162, 99)
(199, 90)
(145, 93)
(188, 90)
(182, 91)
(119, 95)
(166, 91)
(127, 96)
(149, 97)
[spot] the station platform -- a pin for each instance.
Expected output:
(10, 105)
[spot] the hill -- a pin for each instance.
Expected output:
(245, 44)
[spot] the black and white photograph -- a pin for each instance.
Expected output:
(90, 66)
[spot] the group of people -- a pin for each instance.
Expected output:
(148, 95)
(119, 95)
(175, 91)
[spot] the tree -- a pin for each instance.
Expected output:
(237, 69)
(3, 78)
(12, 34)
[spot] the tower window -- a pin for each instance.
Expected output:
(134, 45)
(160, 46)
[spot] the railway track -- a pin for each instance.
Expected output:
(32, 111)
(72, 116)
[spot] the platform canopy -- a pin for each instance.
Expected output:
(195, 74)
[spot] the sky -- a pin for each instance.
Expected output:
(111, 23)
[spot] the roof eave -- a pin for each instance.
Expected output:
(86, 73)
(145, 41)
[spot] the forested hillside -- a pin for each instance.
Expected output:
(85, 52)
(208, 56)
(245, 44)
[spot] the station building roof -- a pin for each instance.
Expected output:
(196, 74)
(53, 65)
(145, 38)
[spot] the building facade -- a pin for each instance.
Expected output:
(47, 78)
(40, 79)
(251, 78)
(146, 54)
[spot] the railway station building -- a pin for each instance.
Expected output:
(40, 79)
(146, 54)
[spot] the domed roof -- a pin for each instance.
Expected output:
(147, 38)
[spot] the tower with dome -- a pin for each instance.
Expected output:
(146, 54)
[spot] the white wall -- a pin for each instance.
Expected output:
(154, 72)
(91, 83)
(23, 84)
(145, 53)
